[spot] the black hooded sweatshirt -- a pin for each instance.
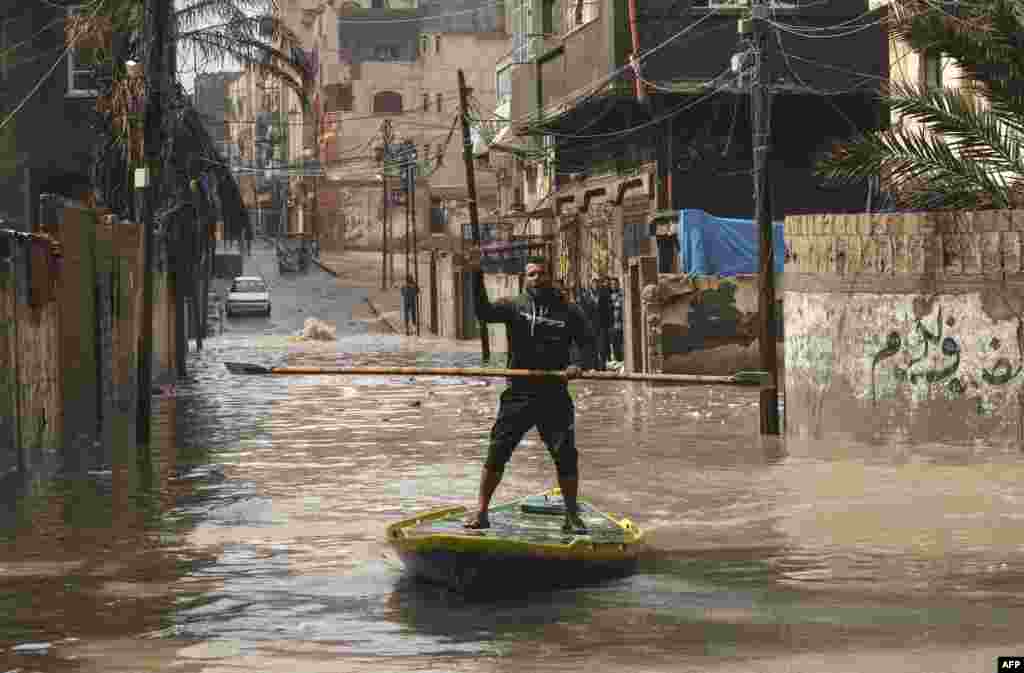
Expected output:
(541, 327)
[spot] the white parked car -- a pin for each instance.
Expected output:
(248, 294)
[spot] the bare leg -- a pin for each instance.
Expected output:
(489, 480)
(570, 488)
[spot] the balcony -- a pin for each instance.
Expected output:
(567, 64)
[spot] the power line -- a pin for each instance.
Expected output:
(682, 107)
(39, 84)
(811, 36)
(425, 17)
(31, 37)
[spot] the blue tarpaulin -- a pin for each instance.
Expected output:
(722, 246)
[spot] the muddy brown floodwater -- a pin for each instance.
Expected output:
(250, 536)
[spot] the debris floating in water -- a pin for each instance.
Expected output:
(318, 330)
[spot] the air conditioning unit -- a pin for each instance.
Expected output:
(517, 207)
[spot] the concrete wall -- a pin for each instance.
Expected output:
(704, 325)
(69, 328)
(906, 325)
(30, 386)
(47, 146)
(449, 296)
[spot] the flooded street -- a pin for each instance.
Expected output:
(250, 536)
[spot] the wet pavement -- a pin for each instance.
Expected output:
(249, 537)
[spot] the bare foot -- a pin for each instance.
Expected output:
(477, 521)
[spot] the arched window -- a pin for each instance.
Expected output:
(387, 102)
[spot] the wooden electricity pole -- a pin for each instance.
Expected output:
(157, 24)
(405, 173)
(415, 246)
(474, 221)
(386, 200)
(760, 110)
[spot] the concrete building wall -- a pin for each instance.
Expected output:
(30, 382)
(905, 326)
(47, 146)
(211, 102)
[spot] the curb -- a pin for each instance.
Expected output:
(380, 317)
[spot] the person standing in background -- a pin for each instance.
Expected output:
(618, 354)
(602, 321)
(410, 298)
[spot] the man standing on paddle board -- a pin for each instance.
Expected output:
(541, 326)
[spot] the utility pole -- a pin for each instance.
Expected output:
(474, 217)
(415, 247)
(406, 172)
(157, 24)
(761, 125)
(385, 220)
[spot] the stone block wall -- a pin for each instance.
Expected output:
(70, 317)
(703, 325)
(30, 382)
(907, 325)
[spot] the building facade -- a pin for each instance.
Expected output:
(46, 140)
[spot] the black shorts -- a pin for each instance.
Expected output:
(550, 409)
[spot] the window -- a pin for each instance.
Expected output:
(387, 102)
(426, 102)
(437, 44)
(550, 157)
(6, 40)
(581, 12)
(551, 18)
(424, 45)
(504, 85)
(346, 99)
(338, 97)
(438, 216)
(931, 70)
(438, 100)
(519, 19)
(81, 67)
(440, 154)
(531, 179)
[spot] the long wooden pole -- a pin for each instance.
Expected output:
(474, 216)
(761, 101)
(739, 379)
(407, 157)
(385, 202)
(157, 24)
(415, 245)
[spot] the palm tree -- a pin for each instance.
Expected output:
(964, 152)
(245, 31)
(195, 186)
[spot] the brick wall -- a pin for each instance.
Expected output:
(907, 323)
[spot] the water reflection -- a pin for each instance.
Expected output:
(249, 536)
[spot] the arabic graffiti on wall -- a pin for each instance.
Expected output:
(933, 352)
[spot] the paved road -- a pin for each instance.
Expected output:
(296, 297)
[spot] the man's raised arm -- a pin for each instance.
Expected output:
(499, 311)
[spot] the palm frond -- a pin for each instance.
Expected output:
(970, 130)
(221, 29)
(918, 166)
(986, 41)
